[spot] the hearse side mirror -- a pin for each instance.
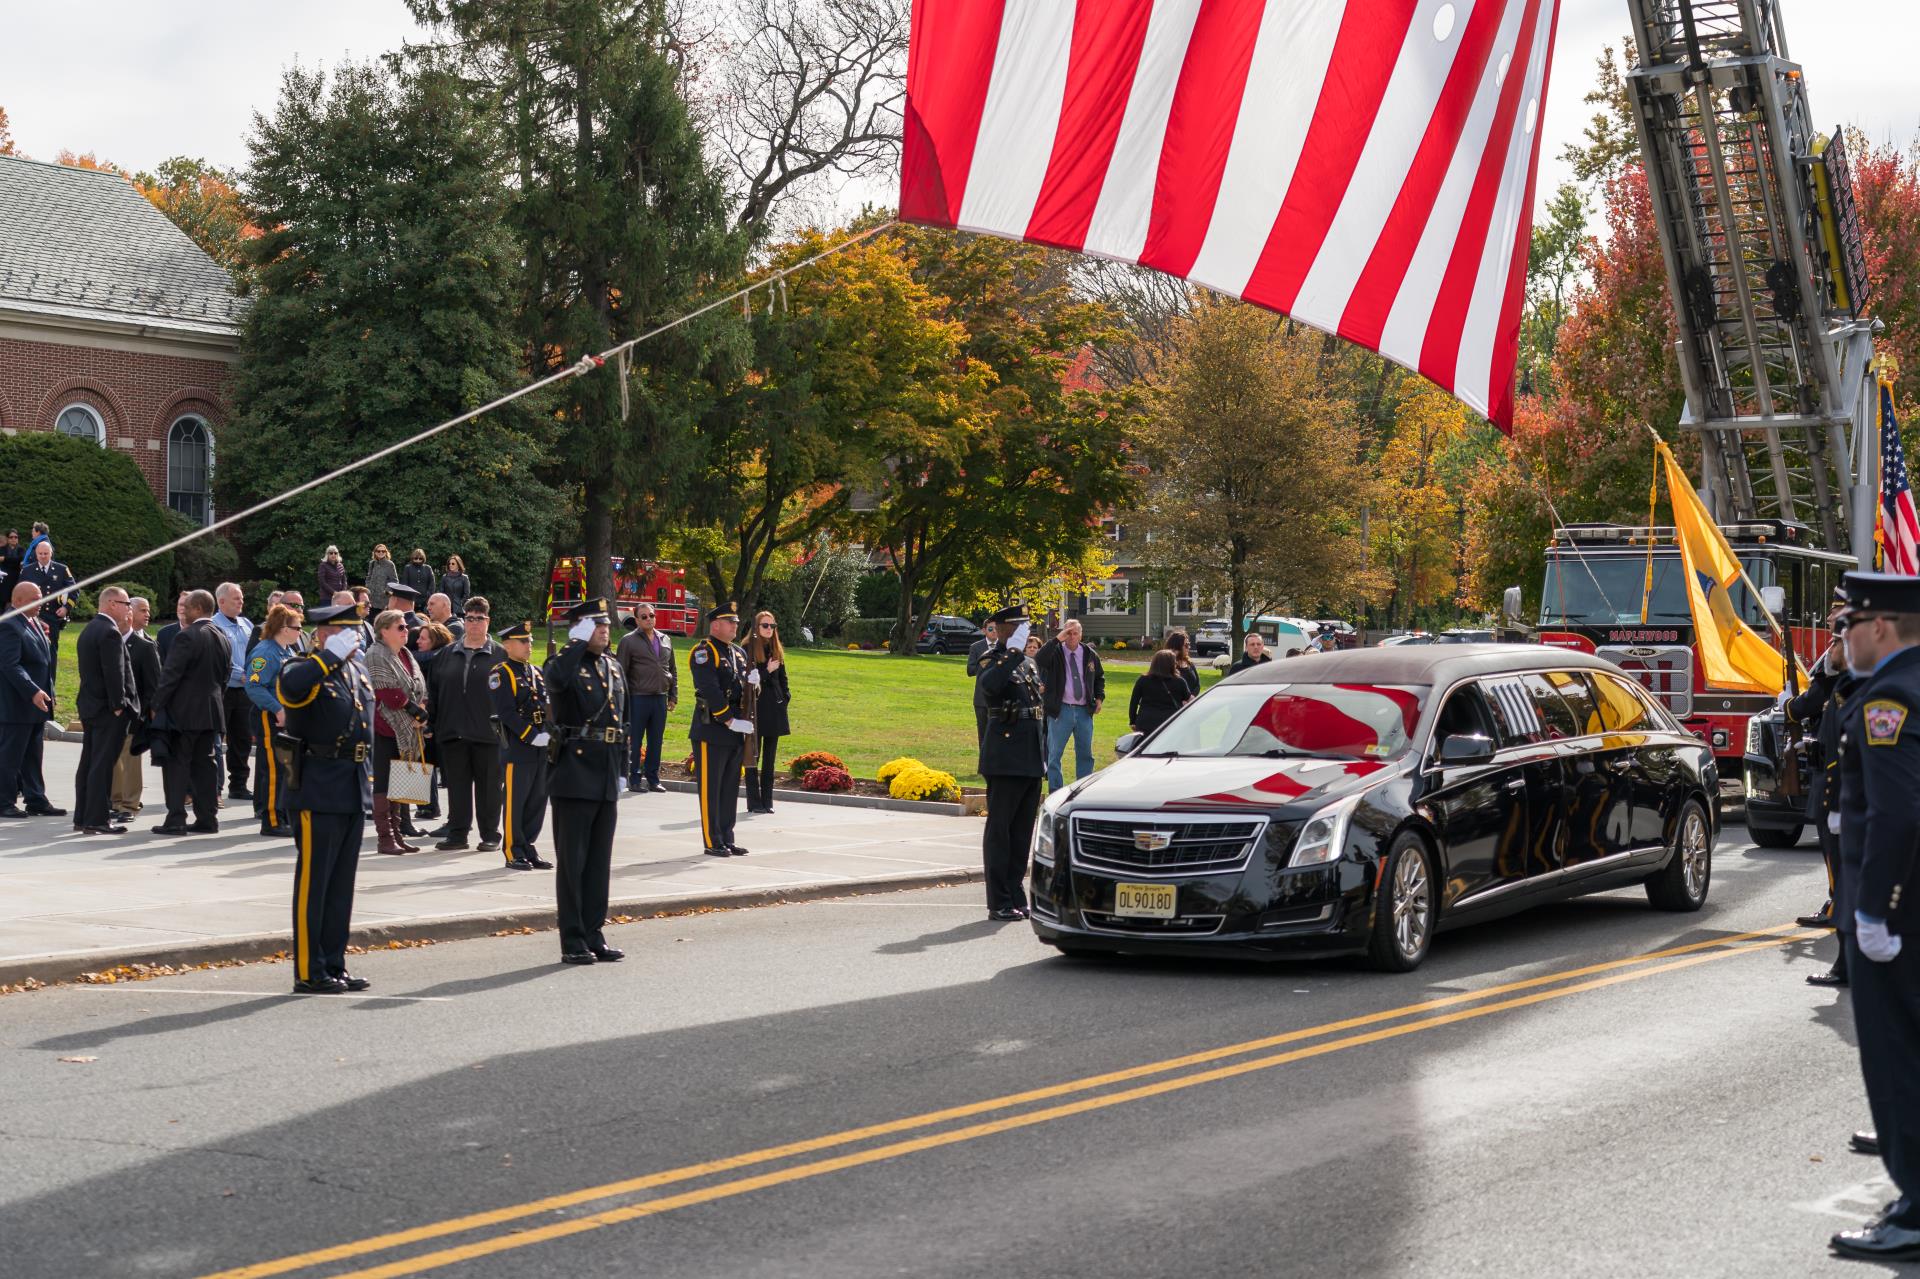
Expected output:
(1126, 743)
(1512, 604)
(1774, 597)
(1466, 748)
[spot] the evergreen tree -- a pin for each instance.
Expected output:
(622, 224)
(383, 304)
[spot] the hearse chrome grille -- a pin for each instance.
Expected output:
(1177, 844)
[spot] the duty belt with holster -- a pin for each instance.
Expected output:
(557, 742)
(1012, 713)
(296, 750)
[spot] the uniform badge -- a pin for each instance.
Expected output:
(1884, 722)
(493, 680)
(700, 654)
(260, 663)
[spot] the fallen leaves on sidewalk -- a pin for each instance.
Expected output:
(79, 1061)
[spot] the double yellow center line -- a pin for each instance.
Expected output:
(1332, 1037)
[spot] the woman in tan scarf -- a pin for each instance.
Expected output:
(401, 693)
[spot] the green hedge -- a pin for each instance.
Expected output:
(94, 500)
(867, 630)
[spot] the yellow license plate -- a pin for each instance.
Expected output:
(1143, 901)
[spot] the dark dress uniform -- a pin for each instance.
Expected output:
(520, 709)
(1879, 879)
(720, 688)
(329, 706)
(1820, 710)
(587, 695)
(1013, 759)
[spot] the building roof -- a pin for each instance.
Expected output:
(84, 245)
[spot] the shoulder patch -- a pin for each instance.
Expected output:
(260, 662)
(1884, 719)
(493, 680)
(700, 654)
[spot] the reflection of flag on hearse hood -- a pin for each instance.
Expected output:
(1732, 654)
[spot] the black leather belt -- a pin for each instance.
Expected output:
(611, 736)
(357, 752)
(1024, 712)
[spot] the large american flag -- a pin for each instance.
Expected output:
(1366, 166)
(1899, 527)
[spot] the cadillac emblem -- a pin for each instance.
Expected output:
(1151, 841)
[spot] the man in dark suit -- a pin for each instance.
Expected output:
(26, 704)
(129, 777)
(52, 577)
(168, 633)
(976, 655)
(108, 703)
(190, 708)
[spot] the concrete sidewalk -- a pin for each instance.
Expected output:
(71, 903)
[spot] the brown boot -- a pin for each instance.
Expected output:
(383, 826)
(397, 822)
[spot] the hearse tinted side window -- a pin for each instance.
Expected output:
(1466, 712)
(1622, 710)
(1573, 690)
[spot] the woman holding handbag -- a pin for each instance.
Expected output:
(400, 722)
(767, 676)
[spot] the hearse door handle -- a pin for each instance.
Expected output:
(1518, 783)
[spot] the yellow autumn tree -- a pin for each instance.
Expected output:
(1418, 517)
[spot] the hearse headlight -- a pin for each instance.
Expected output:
(1043, 838)
(1324, 836)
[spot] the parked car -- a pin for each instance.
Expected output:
(1406, 637)
(1344, 636)
(1212, 638)
(1467, 635)
(947, 635)
(1361, 802)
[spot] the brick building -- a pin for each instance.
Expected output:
(114, 326)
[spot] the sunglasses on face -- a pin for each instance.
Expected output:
(766, 626)
(1841, 625)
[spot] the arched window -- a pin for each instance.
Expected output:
(82, 422)
(190, 469)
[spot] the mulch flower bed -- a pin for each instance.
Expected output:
(679, 772)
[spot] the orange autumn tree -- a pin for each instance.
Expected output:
(6, 135)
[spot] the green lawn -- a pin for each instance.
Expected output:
(866, 708)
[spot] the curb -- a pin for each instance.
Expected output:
(255, 946)
(854, 801)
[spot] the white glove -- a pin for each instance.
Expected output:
(582, 629)
(541, 739)
(1876, 943)
(753, 678)
(1833, 823)
(619, 784)
(1786, 695)
(343, 644)
(740, 725)
(1018, 640)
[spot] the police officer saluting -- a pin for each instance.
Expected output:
(520, 712)
(1013, 760)
(587, 750)
(1879, 835)
(329, 708)
(720, 728)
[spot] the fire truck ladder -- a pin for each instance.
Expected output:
(1764, 264)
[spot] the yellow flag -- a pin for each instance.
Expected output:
(1732, 654)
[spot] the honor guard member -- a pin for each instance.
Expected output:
(1819, 712)
(1013, 761)
(520, 712)
(720, 728)
(1879, 835)
(587, 753)
(329, 707)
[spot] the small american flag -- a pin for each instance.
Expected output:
(1899, 530)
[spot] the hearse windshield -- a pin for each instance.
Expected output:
(1327, 721)
(1605, 590)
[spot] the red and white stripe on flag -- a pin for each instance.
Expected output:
(1899, 525)
(1365, 166)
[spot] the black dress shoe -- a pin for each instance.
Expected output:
(319, 986)
(1005, 916)
(609, 954)
(578, 957)
(120, 815)
(488, 846)
(451, 846)
(736, 850)
(1832, 977)
(1864, 1143)
(1882, 1241)
(351, 982)
(11, 811)
(239, 792)
(103, 830)
(439, 832)
(1823, 920)
(205, 828)
(657, 788)
(519, 863)
(46, 811)
(169, 830)
(718, 852)
(278, 832)
(538, 862)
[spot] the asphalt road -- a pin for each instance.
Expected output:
(894, 1086)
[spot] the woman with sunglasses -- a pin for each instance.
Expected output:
(768, 673)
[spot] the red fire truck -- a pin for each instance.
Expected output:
(1596, 578)
(634, 582)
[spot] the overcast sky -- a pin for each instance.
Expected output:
(137, 81)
